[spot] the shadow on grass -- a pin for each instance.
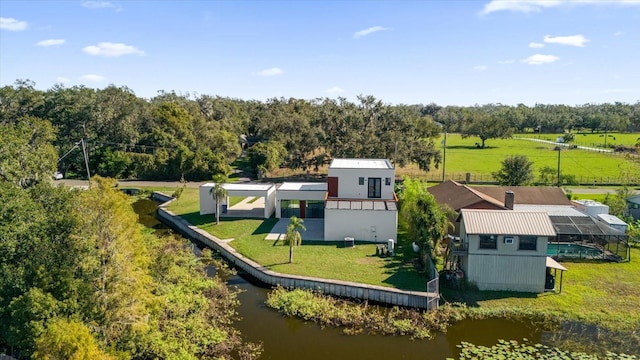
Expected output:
(274, 264)
(470, 147)
(265, 227)
(403, 275)
(471, 297)
(194, 218)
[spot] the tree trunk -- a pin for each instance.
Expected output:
(217, 213)
(290, 254)
(483, 140)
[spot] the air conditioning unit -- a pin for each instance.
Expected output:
(508, 240)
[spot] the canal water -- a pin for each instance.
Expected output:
(288, 338)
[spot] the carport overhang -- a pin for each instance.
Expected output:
(267, 191)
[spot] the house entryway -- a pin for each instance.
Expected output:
(314, 232)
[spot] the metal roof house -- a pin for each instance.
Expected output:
(506, 250)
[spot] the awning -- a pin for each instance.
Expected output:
(554, 264)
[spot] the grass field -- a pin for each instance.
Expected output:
(463, 156)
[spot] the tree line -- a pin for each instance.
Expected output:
(195, 136)
(81, 279)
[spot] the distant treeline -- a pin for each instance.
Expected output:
(174, 135)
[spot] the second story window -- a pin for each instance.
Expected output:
(387, 181)
(361, 181)
(375, 187)
(488, 242)
(527, 242)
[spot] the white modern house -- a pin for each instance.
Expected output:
(506, 249)
(267, 193)
(357, 201)
(303, 200)
(361, 202)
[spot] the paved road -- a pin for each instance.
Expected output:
(569, 145)
(140, 183)
(195, 184)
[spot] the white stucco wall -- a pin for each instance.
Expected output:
(348, 182)
(362, 225)
(268, 191)
(207, 202)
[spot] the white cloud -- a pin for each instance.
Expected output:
(274, 71)
(112, 49)
(50, 42)
(535, 45)
(519, 5)
(618, 33)
(93, 78)
(571, 40)
(368, 31)
(480, 67)
(99, 5)
(527, 6)
(62, 79)
(539, 59)
(334, 90)
(12, 24)
(504, 62)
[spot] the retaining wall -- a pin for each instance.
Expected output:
(416, 299)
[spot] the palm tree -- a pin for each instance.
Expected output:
(293, 237)
(219, 193)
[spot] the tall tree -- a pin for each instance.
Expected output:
(27, 155)
(219, 193)
(293, 236)
(425, 219)
(516, 170)
(485, 125)
(266, 156)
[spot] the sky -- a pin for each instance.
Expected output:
(402, 52)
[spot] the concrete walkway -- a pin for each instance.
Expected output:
(568, 145)
(314, 232)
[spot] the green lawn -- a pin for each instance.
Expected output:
(319, 259)
(462, 156)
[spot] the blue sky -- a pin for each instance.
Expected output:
(447, 52)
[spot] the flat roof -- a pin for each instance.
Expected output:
(303, 186)
(508, 222)
(360, 164)
(612, 219)
(242, 186)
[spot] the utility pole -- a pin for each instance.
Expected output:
(558, 149)
(444, 157)
(85, 154)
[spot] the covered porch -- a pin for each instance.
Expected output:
(263, 207)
